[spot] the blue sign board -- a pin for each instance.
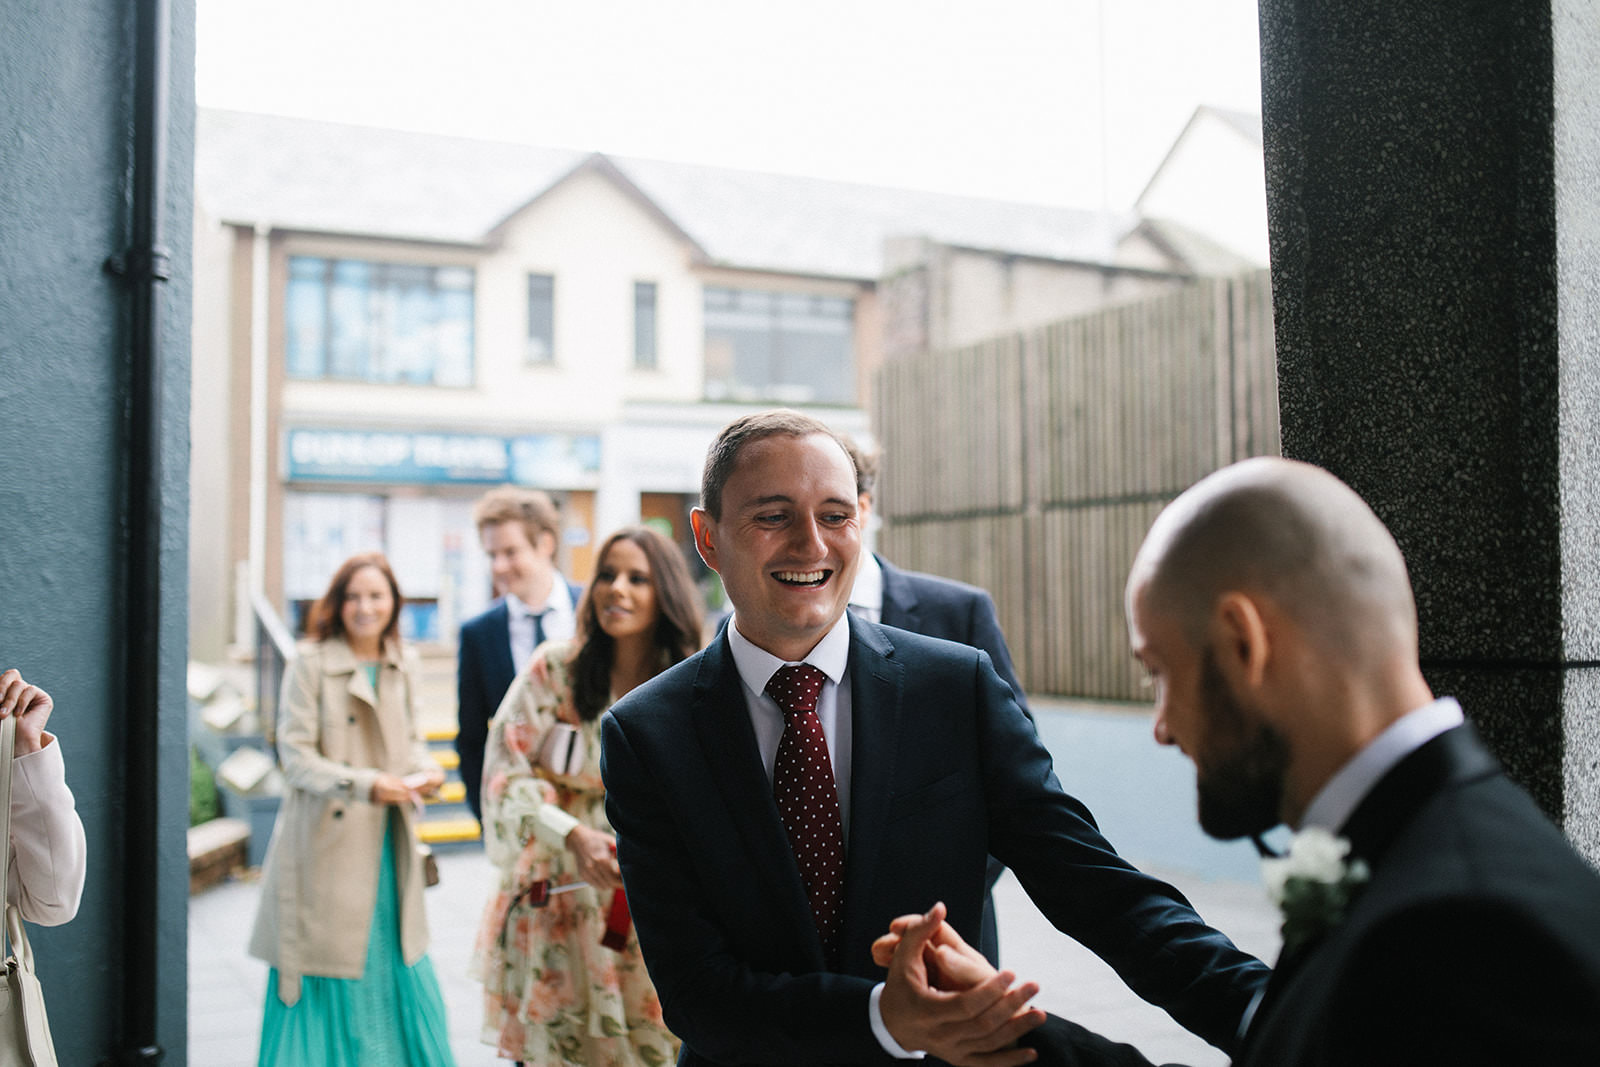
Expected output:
(553, 460)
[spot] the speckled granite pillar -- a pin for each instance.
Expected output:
(1432, 193)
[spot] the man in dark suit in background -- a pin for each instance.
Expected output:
(520, 530)
(936, 607)
(1432, 913)
(781, 796)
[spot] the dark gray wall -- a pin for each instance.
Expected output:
(1412, 188)
(66, 156)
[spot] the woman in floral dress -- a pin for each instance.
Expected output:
(553, 994)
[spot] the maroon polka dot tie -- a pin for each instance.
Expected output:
(808, 798)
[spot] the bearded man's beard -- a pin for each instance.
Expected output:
(1241, 785)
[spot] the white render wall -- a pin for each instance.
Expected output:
(1215, 184)
(596, 242)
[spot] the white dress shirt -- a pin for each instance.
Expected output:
(1339, 797)
(557, 616)
(866, 596)
(831, 656)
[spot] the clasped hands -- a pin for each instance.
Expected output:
(942, 997)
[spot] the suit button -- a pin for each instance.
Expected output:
(351, 720)
(338, 813)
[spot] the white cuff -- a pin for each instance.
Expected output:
(552, 825)
(881, 1032)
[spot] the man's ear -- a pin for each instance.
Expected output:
(704, 542)
(546, 545)
(1241, 639)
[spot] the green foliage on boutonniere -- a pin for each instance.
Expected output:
(1314, 885)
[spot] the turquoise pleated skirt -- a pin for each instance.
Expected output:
(391, 1015)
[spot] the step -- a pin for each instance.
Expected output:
(452, 792)
(216, 850)
(446, 758)
(448, 831)
(440, 735)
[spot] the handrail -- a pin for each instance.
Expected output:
(274, 649)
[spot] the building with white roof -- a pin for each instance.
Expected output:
(388, 323)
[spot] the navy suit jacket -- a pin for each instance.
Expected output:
(938, 607)
(1476, 941)
(946, 770)
(483, 674)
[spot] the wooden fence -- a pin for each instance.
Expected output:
(1033, 463)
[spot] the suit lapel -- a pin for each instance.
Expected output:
(501, 668)
(899, 599)
(722, 721)
(1454, 756)
(876, 689)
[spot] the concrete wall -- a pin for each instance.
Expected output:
(66, 154)
(1432, 191)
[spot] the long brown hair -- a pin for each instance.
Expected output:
(677, 632)
(326, 619)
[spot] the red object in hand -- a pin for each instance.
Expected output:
(618, 923)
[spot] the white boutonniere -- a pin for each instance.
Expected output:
(1313, 885)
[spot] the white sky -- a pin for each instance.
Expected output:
(998, 99)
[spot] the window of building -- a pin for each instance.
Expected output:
(792, 348)
(644, 325)
(541, 318)
(392, 323)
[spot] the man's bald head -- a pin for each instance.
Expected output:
(1293, 534)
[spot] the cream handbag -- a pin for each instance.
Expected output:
(24, 1030)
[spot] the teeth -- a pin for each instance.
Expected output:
(801, 577)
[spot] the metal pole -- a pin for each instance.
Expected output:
(147, 267)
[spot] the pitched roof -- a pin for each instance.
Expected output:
(1190, 250)
(1243, 123)
(326, 177)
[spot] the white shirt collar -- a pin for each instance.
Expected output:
(1338, 798)
(517, 608)
(559, 600)
(868, 590)
(757, 666)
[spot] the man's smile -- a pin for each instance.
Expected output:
(809, 579)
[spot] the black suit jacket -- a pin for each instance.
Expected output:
(483, 674)
(938, 607)
(945, 770)
(1476, 942)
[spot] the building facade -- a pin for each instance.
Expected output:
(390, 323)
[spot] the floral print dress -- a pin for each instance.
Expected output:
(552, 993)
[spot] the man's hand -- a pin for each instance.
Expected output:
(30, 704)
(957, 965)
(596, 853)
(950, 1003)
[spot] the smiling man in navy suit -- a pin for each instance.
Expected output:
(1274, 614)
(757, 902)
(520, 530)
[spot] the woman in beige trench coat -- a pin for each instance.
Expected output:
(341, 918)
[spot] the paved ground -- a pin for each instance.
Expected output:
(1142, 796)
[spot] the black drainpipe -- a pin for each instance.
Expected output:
(145, 265)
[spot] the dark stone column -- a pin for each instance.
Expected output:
(1431, 181)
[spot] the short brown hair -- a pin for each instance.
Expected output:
(723, 455)
(532, 508)
(327, 616)
(865, 463)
